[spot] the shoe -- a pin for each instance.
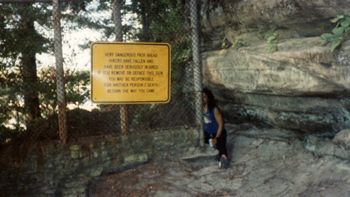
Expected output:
(223, 163)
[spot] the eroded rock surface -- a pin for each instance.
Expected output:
(264, 162)
(267, 63)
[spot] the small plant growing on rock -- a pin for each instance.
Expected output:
(272, 43)
(270, 34)
(340, 32)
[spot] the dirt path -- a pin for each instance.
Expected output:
(260, 166)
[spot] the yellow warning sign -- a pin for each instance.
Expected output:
(130, 73)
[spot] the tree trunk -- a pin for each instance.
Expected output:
(29, 70)
(30, 80)
(145, 20)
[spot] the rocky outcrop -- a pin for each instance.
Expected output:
(266, 62)
(263, 162)
(301, 18)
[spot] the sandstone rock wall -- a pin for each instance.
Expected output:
(267, 63)
(53, 169)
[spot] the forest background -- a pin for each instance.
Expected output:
(27, 70)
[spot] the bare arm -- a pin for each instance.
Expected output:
(220, 121)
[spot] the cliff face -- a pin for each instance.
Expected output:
(266, 62)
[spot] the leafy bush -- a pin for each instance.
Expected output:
(12, 113)
(340, 32)
(76, 87)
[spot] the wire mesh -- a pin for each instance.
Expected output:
(61, 100)
(181, 110)
(170, 23)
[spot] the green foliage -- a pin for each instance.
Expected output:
(340, 32)
(11, 97)
(161, 21)
(15, 34)
(10, 101)
(272, 41)
(165, 21)
(22, 34)
(270, 34)
(7, 134)
(76, 87)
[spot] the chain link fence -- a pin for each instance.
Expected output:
(173, 22)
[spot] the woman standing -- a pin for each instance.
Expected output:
(214, 131)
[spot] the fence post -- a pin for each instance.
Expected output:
(123, 111)
(59, 72)
(197, 71)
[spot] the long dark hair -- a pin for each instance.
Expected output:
(211, 98)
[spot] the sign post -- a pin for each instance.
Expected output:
(130, 73)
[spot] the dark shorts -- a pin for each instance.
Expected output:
(221, 142)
